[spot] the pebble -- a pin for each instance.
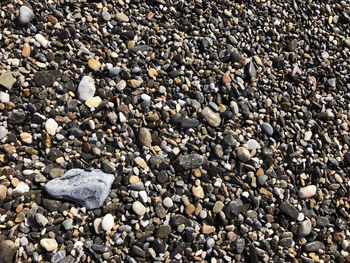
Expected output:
(190, 161)
(107, 222)
(26, 15)
(7, 80)
(41, 219)
(121, 17)
(218, 206)
(3, 132)
(94, 64)
(211, 117)
(7, 251)
(305, 228)
(289, 210)
(88, 189)
(167, 202)
(67, 224)
(94, 102)
(3, 193)
(253, 145)
(26, 137)
(138, 208)
(106, 16)
(267, 128)
(49, 244)
(42, 40)
(22, 188)
(307, 191)
(145, 137)
(163, 231)
(313, 246)
(4, 97)
(86, 88)
(51, 126)
(243, 154)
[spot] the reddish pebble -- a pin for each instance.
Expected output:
(86, 147)
(226, 78)
(150, 15)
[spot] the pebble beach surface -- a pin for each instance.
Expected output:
(174, 131)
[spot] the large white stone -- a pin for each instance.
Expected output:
(86, 88)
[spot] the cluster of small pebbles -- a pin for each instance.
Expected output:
(174, 131)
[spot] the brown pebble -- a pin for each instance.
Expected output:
(52, 19)
(26, 50)
(190, 209)
(208, 229)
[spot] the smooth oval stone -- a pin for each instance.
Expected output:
(253, 144)
(307, 191)
(313, 246)
(305, 228)
(107, 222)
(243, 154)
(190, 161)
(49, 244)
(211, 117)
(88, 189)
(138, 208)
(86, 88)
(7, 251)
(145, 137)
(267, 128)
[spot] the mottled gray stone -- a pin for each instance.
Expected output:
(88, 189)
(190, 161)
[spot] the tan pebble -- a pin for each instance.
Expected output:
(49, 244)
(26, 50)
(134, 179)
(10, 149)
(208, 229)
(152, 72)
(94, 64)
(26, 137)
(135, 83)
(198, 191)
(93, 102)
(141, 162)
(264, 191)
(190, 209)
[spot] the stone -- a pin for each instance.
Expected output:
(313, 246)
(267, 128)
(139, 208)
(3, 193)
(42, 40)
(26, 137)
(121, 17)
(3, 132)
(141, 48)
(253, 145)
(251, 70)
(46, 78)
(49, 244)
(207, 229)
(107, 222)
(98, 225)
(307, 191)
(121, 85)
(94, 64)
(163, 231)
(51, 126)
(7, 80)
(67, 224)
(114, 71)
(243, 154)
(94, 102)
(141, 162)
(289, 210)
(88, 189)
(22, 188)
(7, 251)
(145, 137)
(189, 123)
(4, 97)
(218, 206)
(292, 45)
(9, 149)
(198, 191)
(16, 116)
(167, 202)
(26, 15)
(308, 136)
(26, 50)
(190, 161)
(106, 16)
(59, 257)
(211, 117)
(41, 219)
(287, 242)
(233, 208)
(86, 88)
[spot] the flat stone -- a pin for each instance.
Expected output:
(189, 123)
(106, 16)
(46, 78)
(7, 251)
(289, 210)
(4, 97)
(292, 45)
(198, 191)
(3, 132)
(22, 188)
(49, 244)
(145, 137)
(121, 85)
(41, 219)
(307, 191)
(267, 128)
(243, 154)
(251, 70)
(94, 102)
(141, 48)
(86, 88)
(59, 257)
(67, 224)
(98, 225)
(16, 116)
(313, 246)
(218, 206)
(211, 117)
(141, 162)
(167, 202)
(42, 40)
(94, 64)
(26, 15)
(190, 161)
(121, 17)
(139, 208)
(51, 126)
(88, 189)
(287, 242)
(253, 145)
(26, 137)
(107, 222)
(163, 231)
(7, 80)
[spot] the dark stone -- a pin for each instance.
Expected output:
(289, 210)
(16, 116)
(46, 78)
(141, 48)
(292, 45)
(190, 161)
(313, 246)
(189, 123)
